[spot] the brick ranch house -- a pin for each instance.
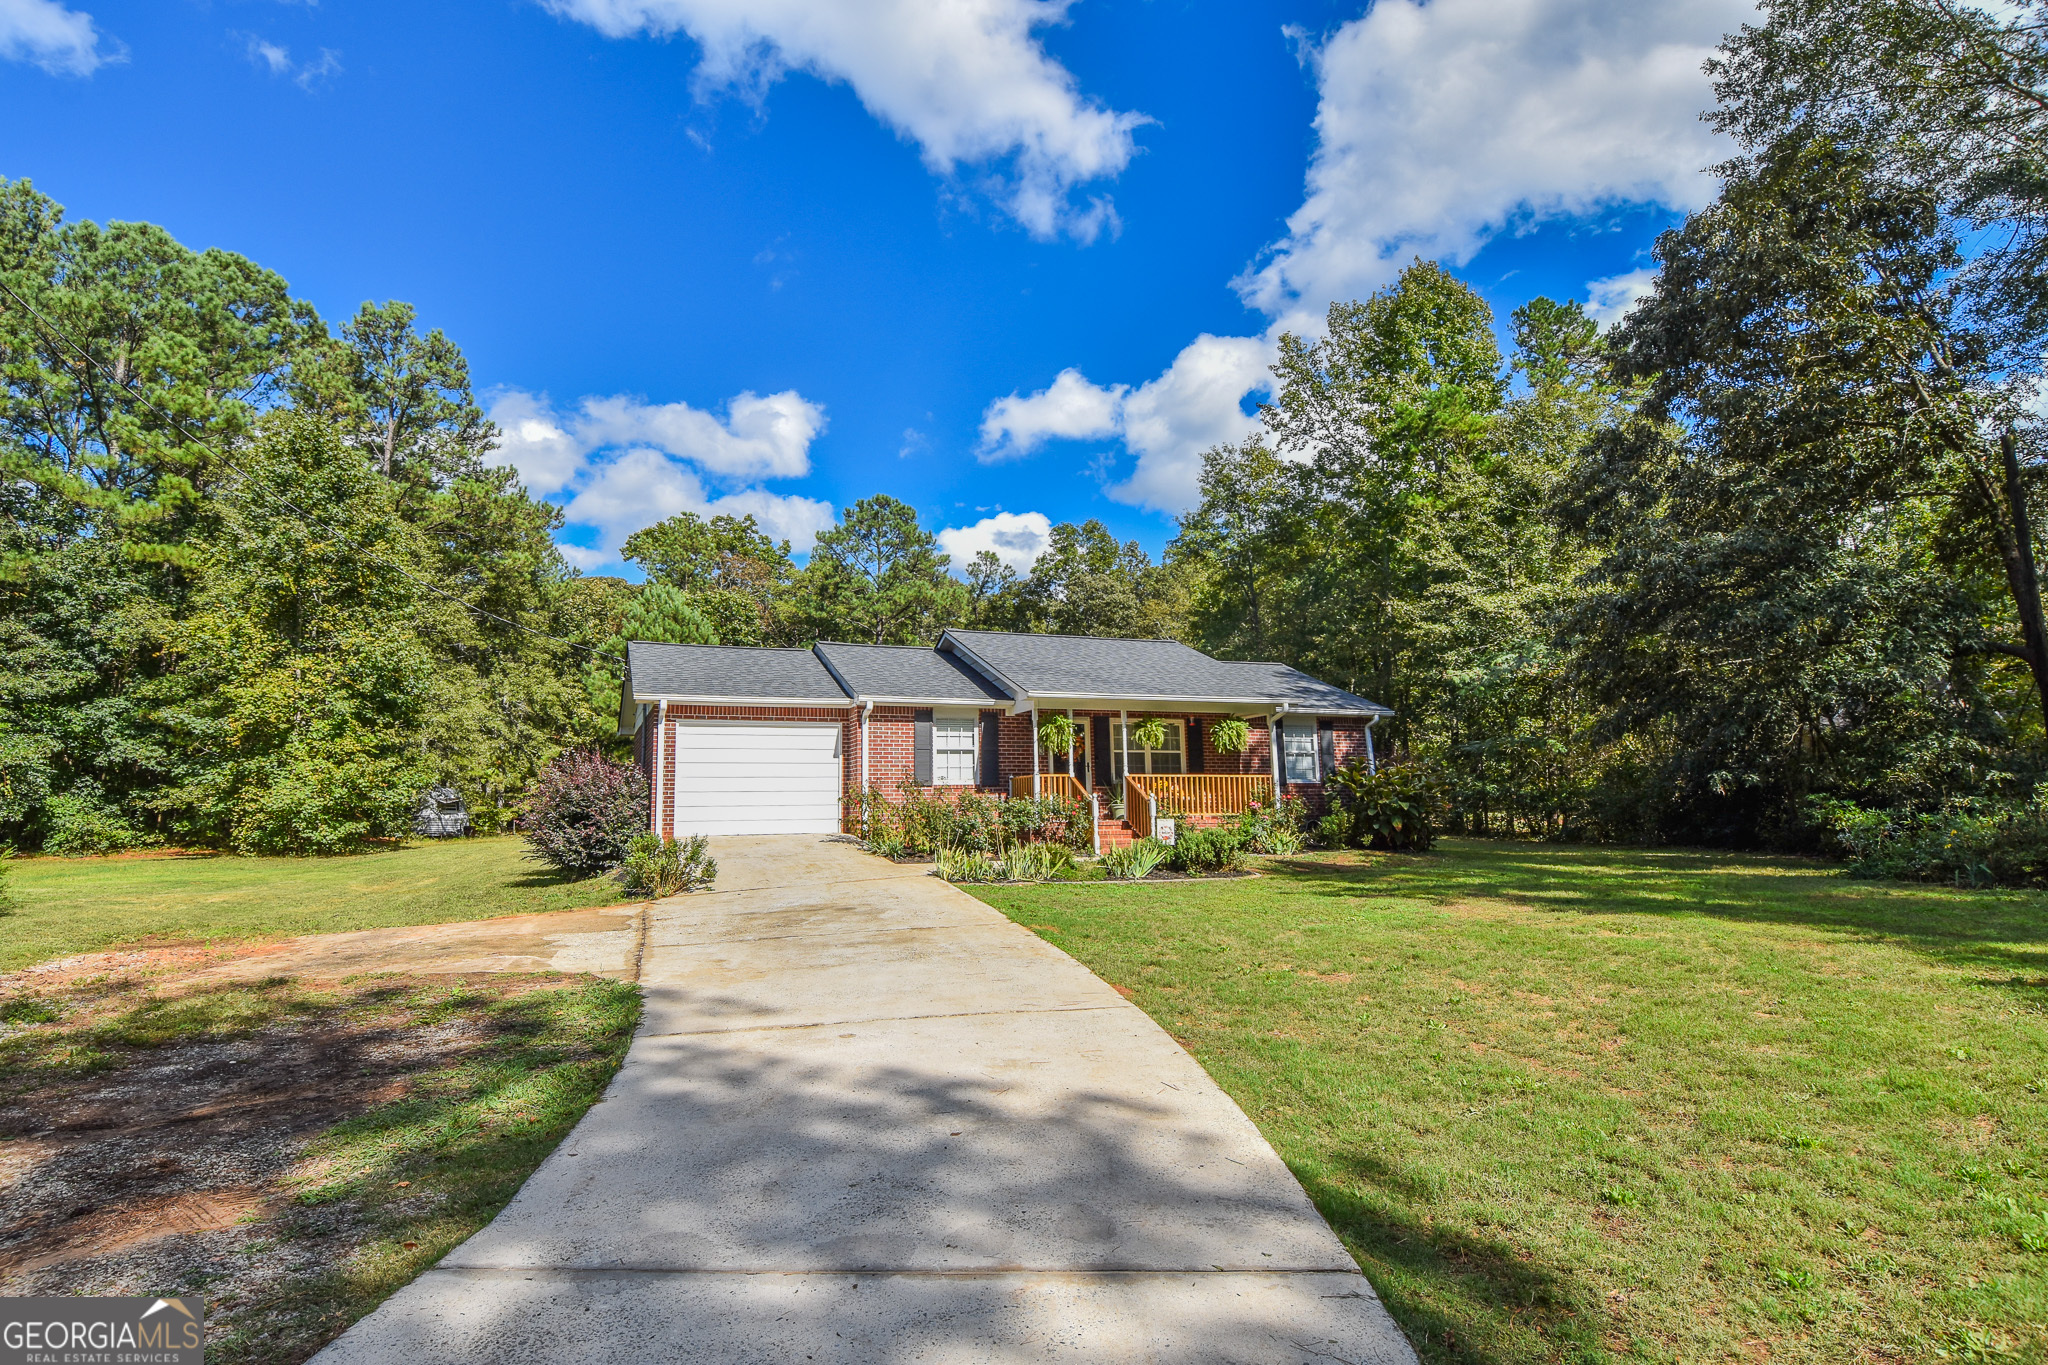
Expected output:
(743, 740)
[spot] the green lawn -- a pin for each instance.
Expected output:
(1589, 1104)
(77, 905)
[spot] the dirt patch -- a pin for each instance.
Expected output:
(602, 942)
(169, 1159)
(178, 1134)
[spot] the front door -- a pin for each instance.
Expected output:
(1079, 765)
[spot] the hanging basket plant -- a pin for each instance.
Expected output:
(1056, 734)
(1149, 734)
(1230, 735)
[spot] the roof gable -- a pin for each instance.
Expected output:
(740, 672)
(1162, 670)
(907, 673)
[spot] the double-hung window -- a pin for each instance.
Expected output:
(953, 752)
(1166, 759)
(1298, 752)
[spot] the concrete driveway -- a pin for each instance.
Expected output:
(867, 1118)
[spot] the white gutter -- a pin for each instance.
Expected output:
(1372, 764)
(1217, 701)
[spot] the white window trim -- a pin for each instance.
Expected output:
(955, 724)
(1177, 728)
(1289, 736)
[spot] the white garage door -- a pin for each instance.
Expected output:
(738, 778)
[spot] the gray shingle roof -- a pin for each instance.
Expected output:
(907, 673)
(1164, 670)
(1048, 666)
(656, 670)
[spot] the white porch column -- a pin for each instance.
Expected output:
(1035, 791)
(1073, 746)
(1273, 743)
(1123, 720)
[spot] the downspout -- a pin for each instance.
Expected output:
(1372, 764)
(660, 745)
(867, 709)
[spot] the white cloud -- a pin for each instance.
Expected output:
(1442, 124)
(277, 59)
(312, 73)
(624, 463)
(1017, 538)
(1070, 409)
(1438, 125)
(1610, 300)
(966, 80)
(532, 440)
(1198, 402)
(61, 41)
(640, 487)
(759, 438)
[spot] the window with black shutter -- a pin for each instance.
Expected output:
(991, 749)
(921, 724)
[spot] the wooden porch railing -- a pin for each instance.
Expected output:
(1210, 793)
(1050, 784)
(1138, 805)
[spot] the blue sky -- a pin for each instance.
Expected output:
(1008, 260)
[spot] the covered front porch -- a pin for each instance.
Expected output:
(1135, 768)
(1195, 799)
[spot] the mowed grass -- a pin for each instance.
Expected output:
(1590, 1104)
(78, 905)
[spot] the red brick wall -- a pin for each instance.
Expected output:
(892, 739)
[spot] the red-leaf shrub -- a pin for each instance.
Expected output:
(583, 812)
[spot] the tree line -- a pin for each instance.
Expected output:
(1767, 541)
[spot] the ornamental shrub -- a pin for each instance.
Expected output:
(1198, 852)
(1397, 807)
(1135, 861)
(663, 867)
(583, 812)
(1274, 827)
